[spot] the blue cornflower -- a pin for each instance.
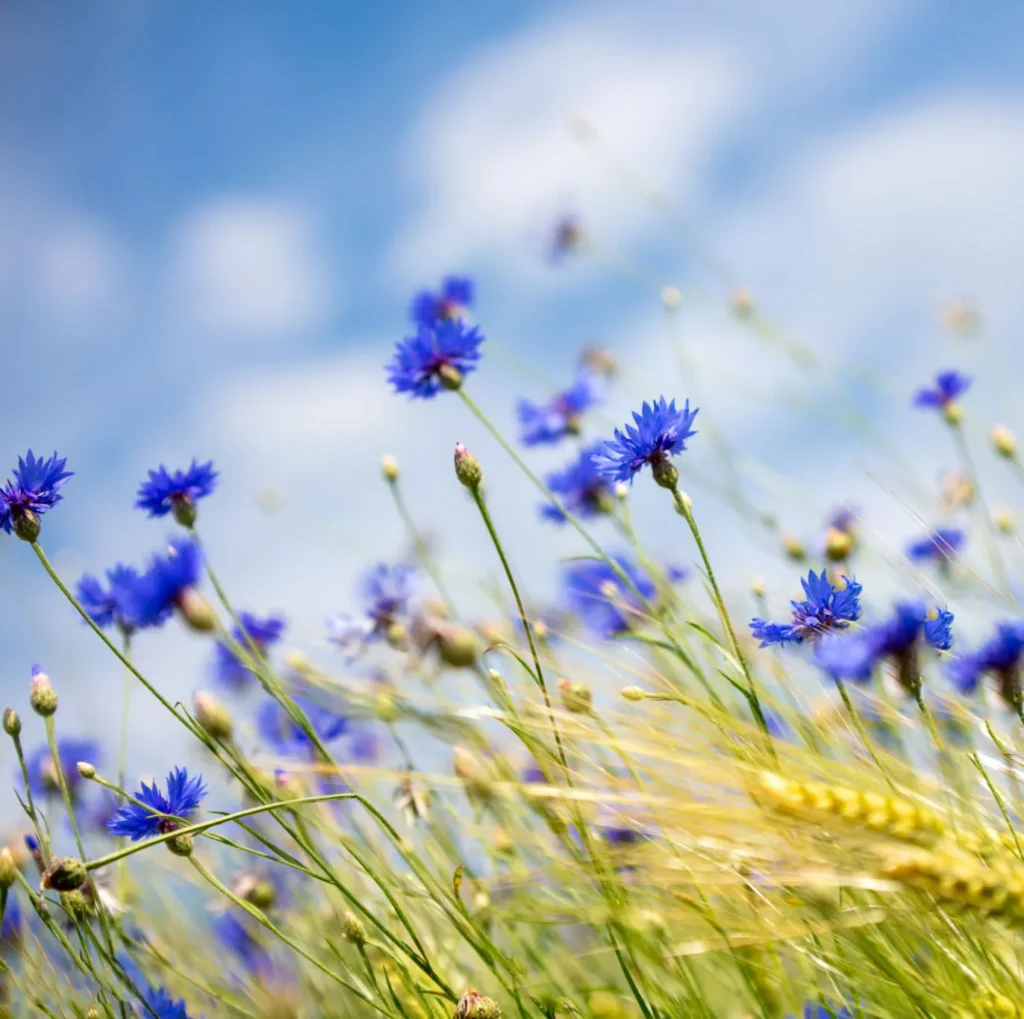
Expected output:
(241, 939)
(438, 357)
(583, 490)
(167, 584)
(942, 545)
(385, 591)
(114, 604)
(33, 491)
(948, 387)
(825, 608)
(181, 802)
(230, 670)
(287, 737)
(1000, 657)
(560, 417)
(13, 926)
(598, 595)
(166, 492)
(42, 773)
(158, 1001)
(451, 302)
(660, 432)
(896, 639)
(815, 1010)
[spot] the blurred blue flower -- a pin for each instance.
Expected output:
(114, 604)
(824, 609)
(34, 489)
(157, 1000)
(943, 544)
(164, 492)
(437, 357)
(999, 657)
(42, 774)
(287, 737)
(815, 1010)
(553, 421)
(183, 797)
(169, 576)
(240, 938)
(599, 597)
(13, 926)
(583, 490)
(844, 519)
(948, 387)
(660, 431)
(451, 302)
(896, 639)
(385, 591)
(230, 671)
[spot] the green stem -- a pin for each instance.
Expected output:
(419, 545)
(852, 712)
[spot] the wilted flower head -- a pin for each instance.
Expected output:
(896, 639)
(553, 421)
(114, 604)
(176, 491)
(941, 545)
(452, 301)
(438, 357)
(659, 431)
(183, 797)
(824, 609)
(231, 670)
(949, 386)
(583, 490)
(1000, 658)
(42, 773)
(606, 605)
(34, 490)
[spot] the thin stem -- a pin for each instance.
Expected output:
(481, 505)
(419, 545)
(852, 712)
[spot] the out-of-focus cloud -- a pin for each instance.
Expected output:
(78, 270)
(249, 268)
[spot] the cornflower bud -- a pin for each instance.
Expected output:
(665, 473)
(952, 412)
(389, 467)
(794, 548)
(576, 697)
(77, 905)
(758, 586)
(1004, 442)
(197, 611)
(838, 544)
(742, 303)
(352, 928)
(475, 1005)
(467, 468)
(1004, 519)
(8, 868)
(86, 770)
(181, 844)
(42, 696)
(621, 490)
(12, 723)
(213, 716)
(456, 646)
(450, 377)
(64, 874)
(633, 693)
(26, 524)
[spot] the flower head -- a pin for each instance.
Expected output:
(242, 940)
(287, 737)
(451, 302)
(584, 491)
(949, 386)
(942, 545)
(560, 417)
(438, 357)
(166, 583)
(34, 490)
(183, 797)
(606, 605)
(567, 236)
(112, 605)
(385, 592)
(1000, 657)
(815, 1010)
(42, 773)
(157, 1000)
(660, 431)
(176, 492)
(824, 609)
(231, 670)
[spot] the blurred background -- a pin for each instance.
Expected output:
(213, 217)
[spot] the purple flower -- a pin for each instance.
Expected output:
(42, 773)
(33, 491)
(166, 584)
(561, 417)
(660, 432)
(176, 492)
(942, 545)
(948, 387)
(583, 490)
(385, 590)
(111, 605)
(451, 302)
(599, 597)
(1000, 658)
(183, 797)
(230, 670)
(438, 357)
(287, 737)
(824, 609)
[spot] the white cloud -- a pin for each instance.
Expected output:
(492, 153)
(78, 269)
(249, 268)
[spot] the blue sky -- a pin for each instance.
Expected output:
(214, 215)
